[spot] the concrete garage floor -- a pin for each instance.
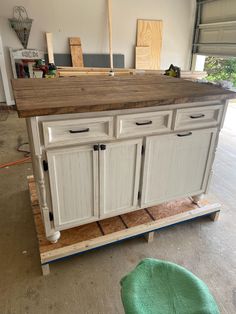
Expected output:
(89, 283)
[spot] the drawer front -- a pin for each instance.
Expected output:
(74, 131)
(190, 118)
(143, 123)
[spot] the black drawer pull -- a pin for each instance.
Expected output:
(186, 134)
(79, 131)
(95, 147)
(144, 123)
(197, 116)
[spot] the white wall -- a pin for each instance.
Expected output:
(87, 19)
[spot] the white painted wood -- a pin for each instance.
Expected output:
(5, 81)
(57, 133)
(73, 176)
(159, 122)
(192, 118)
(120, 166)
(175, 166)
(113, 113)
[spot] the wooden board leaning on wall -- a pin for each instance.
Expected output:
(149, 34)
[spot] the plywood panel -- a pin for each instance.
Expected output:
(143, 58)
(149, 34)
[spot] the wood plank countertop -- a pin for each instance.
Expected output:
(37, 97)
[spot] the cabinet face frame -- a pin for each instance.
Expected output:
(54, 191)
(146, 165)
(102, 177)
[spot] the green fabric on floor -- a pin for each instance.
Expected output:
(156, 286)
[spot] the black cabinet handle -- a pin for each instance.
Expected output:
(197, 116)
(79, 131)
(186, 134)
(103, 146)
(95, 147)
(144, 123)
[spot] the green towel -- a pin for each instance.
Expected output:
(156, 286)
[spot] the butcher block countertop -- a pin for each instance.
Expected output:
(38, 97)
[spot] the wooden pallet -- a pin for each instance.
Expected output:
(93, 235)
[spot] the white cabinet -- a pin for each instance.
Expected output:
(73, 174)
(91, 182)
(176, 165)
(120, 164)
(96, 168)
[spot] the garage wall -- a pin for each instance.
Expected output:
(88, 20)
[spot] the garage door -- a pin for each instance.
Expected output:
(215, 28)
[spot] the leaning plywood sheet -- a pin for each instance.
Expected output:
(143, 58)
(76, 52)
(149, 34)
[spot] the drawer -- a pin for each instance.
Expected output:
(64, 132)
(143, 123)
(190, 118)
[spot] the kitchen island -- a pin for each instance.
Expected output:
(106, 146)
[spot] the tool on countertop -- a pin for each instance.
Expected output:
(173, 71)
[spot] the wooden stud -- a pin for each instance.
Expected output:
(215, 216)
(110, 32)
(49, 41)
(149, 236)
(45, 269)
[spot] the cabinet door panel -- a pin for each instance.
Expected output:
(73, 176)
(176, 166)
(119, 177)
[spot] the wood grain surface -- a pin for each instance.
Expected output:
(37, 97)
(143, 58)
(149, 33)
(76, 52)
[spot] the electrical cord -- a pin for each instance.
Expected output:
(26, 158)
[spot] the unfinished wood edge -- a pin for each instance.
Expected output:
(49, 40)
(215, 216)
(149, 237)
(53, 255)
(45, 269)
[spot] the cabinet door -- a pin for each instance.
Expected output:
(119, 177)
(73, 174)
(176, 165)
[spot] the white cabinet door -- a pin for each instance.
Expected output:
(73, 174)
(176, 165)
(120, 164)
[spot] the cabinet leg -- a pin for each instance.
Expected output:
(149, 236)
(45, 269)
(215, 216)
(197, 198)
(54, 237)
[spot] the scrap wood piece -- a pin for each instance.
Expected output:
(49, 40)
(76, 52)
(143, 58)
(111, 225)
(149, 33)
(136, 218)
(168, 209)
